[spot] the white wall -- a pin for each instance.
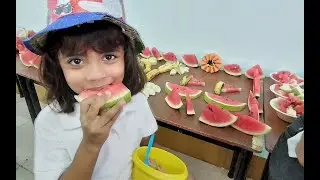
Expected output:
(31, 14)
(247, 32)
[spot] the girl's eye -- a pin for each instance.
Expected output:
(75, 61)
(109, 57)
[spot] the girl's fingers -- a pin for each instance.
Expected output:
(90, 107)
(111, 115)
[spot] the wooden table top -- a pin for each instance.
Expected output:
(278, 126)
(179, 118)
(28, 72)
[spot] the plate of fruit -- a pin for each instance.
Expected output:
(288, 109)
(284, 90)
(287, 77)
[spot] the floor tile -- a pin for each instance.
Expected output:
(23, 174)
(24, 145)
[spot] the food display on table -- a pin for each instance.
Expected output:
(222, 105)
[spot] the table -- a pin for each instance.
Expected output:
(278, 126)
(26, 77)
(243, 145)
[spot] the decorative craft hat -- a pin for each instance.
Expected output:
(69, 13)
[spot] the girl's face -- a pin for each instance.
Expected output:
(93, 70)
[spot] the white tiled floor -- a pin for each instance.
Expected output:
(24, 151)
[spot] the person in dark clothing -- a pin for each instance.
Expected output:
(281, 165)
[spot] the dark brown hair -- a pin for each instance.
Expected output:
(102, 36)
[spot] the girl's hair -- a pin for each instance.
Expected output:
(101, 36)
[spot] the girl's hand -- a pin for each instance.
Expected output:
(96, 125)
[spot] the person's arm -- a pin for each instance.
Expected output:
(84, 162)
(300, 150)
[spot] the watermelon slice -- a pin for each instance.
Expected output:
(250, 126)
(146, 53)
(256, 86)
(252, 101)
(156, 53)
(27, 57)
(117, 92)
(170, 57)
(232, 69)
(174, 99)
(183, 91)
(190, 60)
(189, 106)
(223, 102)
(217, 117)
(225, 88)
(254, 71)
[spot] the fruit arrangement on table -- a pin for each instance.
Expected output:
(221, 109)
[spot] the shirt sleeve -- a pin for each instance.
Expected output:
(51, 157)
(149, 123)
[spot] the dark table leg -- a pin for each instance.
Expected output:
(265, 173)
(23, 84)
(242, 164)
(233, 162)
(33, 96)
(19, 87)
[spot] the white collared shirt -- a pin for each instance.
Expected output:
(58, 135)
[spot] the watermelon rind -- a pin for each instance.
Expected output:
(126, 95)
(223, 105)
(185, 79)
(218, 87)
(155, 52)
(266, 130)
(194, 95)
(189, 64)
(232, 120)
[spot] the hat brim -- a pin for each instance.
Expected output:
(37, 42)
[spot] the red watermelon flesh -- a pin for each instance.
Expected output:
(116, 91)
(183, 90)
(254, 112)
(232, 69)
(146, 53)
(27, 57)
(196, 82)
(256, 86)
(170, 57)
(299, 109)
(254, 71)
(190, 60)
(294, 77)
(228, 88)
(252, 100)
(189, 106)
(174, 99)
(156, 53)
(217, 117)
(250, 126)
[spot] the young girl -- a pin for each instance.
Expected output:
(73, 141)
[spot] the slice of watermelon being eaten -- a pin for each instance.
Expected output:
(189, 106)
(217, 117)
(116, 91)
(170, 57)
(190, 60)
(232, 69)
(182, 90)
(224, 102)
(174, 99)
(254, 71)
(250, 126)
